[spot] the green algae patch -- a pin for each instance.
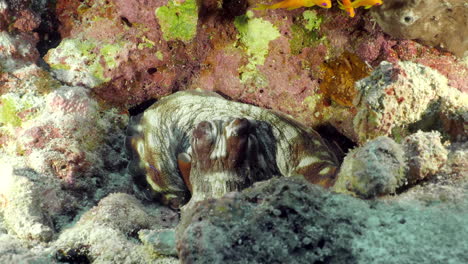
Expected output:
(305, 32)
(255, 35)
(147, 43)
(159, 55)
(14, 109)
(85, 57)
(312, 21)
(178, 20)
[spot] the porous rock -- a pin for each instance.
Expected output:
(23, 206)
(159, 242)
(278, 221)
(398, 99)
(454, 115)
(12, 251)
(102, 234)
(286, 220)
(425, 155)
(377, 168)
(438, 23)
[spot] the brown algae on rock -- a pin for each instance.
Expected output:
(339, 75)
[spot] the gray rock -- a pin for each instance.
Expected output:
(425, 155)
(278, 221)
(161, 242)
(377, 168)
(287, 220)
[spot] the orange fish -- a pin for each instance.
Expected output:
(293, 4)
(349, 6)
(366, 3)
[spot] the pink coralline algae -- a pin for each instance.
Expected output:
(124, 52)
(117, 48)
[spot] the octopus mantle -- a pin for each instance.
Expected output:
(199, 145)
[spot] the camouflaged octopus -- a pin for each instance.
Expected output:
(196, 144)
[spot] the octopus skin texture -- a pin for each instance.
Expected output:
(196, 144)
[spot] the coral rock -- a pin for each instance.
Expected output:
(22, 208)
(161, 242)
(425, 155)
(102, 234)
(377, 168)
(396, 99)
(286, 220)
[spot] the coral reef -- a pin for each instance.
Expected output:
(129, 52)
(167, 129)
(71, 72)
(381, 166)
(11, 251)
(436, 23)
(288, 220)
(64, 133)
(124, 49)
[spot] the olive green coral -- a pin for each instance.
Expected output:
(178, 20)
(255, 35)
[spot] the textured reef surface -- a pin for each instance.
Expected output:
(218, 131)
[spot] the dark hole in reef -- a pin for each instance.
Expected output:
(49, 36)
(233, 8)
(77, 255)
(126, 22)
(140, 108)
(261, 91)
(152, 70)
(134, 233)
(337, 142)
(321, 243)
(408, 19)
(225, 96)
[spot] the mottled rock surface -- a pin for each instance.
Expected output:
(101, 235)
(378, 167)
(399, 99)
(438, 23)
(290, 221)
(425, 155)
(61, 140)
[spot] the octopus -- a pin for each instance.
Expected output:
(193, 145)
